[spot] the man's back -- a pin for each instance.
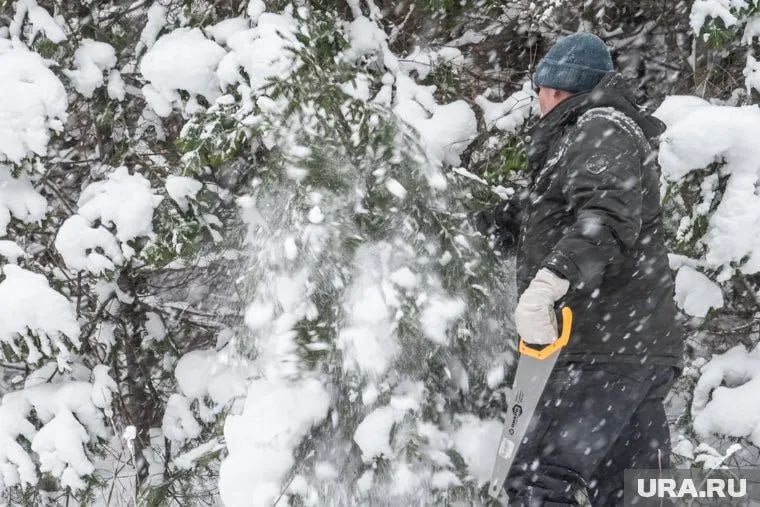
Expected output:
(591, 238)
(592, 215)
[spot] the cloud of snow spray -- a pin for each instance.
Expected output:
(377, 319)
(344, 321)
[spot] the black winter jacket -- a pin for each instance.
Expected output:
(592, 215)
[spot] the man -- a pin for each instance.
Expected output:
(589, 236)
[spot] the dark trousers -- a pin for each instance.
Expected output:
(592, 422)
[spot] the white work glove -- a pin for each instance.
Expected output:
(535, 319)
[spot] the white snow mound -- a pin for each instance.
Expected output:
(725, 398)
(262, 439)
(29, 306)
(32, 103)
(695, 293)
(181, 60)
(18, 199)
(92, 58)
(699, 135)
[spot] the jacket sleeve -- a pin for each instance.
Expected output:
(602, 186)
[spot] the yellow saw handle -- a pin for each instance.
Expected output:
(548, 350)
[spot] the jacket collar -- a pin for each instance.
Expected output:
(612, 91)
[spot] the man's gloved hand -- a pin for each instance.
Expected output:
(499, 221)
(535, 319)
(484, 221)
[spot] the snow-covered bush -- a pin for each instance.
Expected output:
(720, 398)
(367, 283)
(89, 221)
(731, 25)
(36, 320)
(235, 259)
(308, 226)
(72, 416)
(710, 159)
(711, 169)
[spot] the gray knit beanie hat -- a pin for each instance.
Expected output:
(576, 63)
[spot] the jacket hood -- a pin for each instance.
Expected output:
(612, 91)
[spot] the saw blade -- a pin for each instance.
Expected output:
(529, 382)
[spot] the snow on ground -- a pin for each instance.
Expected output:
(725, 398)
(32, 104)
(29, 306)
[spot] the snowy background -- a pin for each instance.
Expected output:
(236, 264)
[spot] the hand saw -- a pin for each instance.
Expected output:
(533, 369)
